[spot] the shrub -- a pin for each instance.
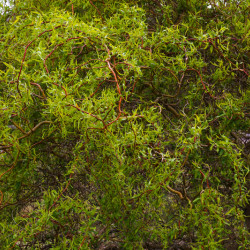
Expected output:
(124, 124)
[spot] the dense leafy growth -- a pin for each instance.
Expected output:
(124, 124)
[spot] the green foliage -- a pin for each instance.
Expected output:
(122, 123)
